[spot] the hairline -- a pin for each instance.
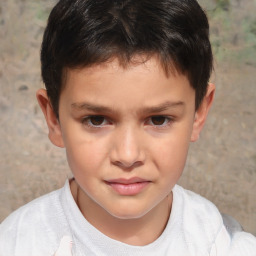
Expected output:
(136, 59)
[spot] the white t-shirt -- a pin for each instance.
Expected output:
(45, 226)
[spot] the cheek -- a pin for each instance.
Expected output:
(171, 152)
(173, 158)
(85, 154)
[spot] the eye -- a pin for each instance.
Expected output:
(95, 121)
(159, 121)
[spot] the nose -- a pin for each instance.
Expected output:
(127, 151)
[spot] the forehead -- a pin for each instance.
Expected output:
(146, 61)
(142, 81)
(137, 64)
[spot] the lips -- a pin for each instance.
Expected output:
(128, 187)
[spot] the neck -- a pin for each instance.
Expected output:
(138, 232)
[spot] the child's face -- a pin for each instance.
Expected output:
(126, 134)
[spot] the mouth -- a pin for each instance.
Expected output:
(128, 187)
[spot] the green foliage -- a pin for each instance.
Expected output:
(223, 4)
(232, 41)
(253, 27)
(42, 14)
(249, 29)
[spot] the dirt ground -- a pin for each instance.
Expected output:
(221, 166)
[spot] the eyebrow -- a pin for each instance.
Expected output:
(92, 107)
(163, 107)
(153, 109)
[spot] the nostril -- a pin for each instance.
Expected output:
(128, 166)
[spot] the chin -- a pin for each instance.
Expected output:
(128, 214)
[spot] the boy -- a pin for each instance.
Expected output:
(126, 91)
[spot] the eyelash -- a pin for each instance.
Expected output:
(167, 122)
(87, 121)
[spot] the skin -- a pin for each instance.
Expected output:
(134, 124)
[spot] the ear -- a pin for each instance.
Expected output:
(202, 112)
(52, 121)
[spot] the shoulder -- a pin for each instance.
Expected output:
(197, 208)
(32, 211)
(243, 243)
(206, 228)
(32, 224)
(233, 242)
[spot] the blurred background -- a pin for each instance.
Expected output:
(221, 166)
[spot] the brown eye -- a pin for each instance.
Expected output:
(158, 120)
(96, 120)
